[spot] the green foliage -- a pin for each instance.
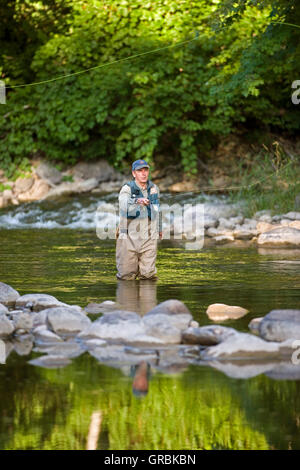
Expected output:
(271, 181)
(237, 72)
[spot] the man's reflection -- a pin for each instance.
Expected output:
(137, 296)
(141, 379)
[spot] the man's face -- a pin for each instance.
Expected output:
(141, 175)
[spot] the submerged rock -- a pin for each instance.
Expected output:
(220, 312)
(8, 295)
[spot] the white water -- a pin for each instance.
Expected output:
(83, 212)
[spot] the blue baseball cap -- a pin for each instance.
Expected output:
(138, 164)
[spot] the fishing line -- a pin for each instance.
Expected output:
(134, 56)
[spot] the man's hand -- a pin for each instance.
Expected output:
(143, 201)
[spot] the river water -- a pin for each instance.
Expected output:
(53, 248)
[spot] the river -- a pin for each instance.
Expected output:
(53, 248)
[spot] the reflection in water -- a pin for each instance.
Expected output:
(141, 379)
(137, 296)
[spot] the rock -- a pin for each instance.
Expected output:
(207, 335)
(170, 307)
(2, 202)
(160, 326)
(295, 224)
(174, 359)
(226, 223)
(238, 220)
(218, 210)
(6, 326)
(242, 346)
(181, 186)
(103, 307)
(7, 196)
(39, 301)
(250, 224)
(244, 232)
(210, 221)
(265, 218)
(258, 214)
(63, 349)
(23, 184)
(283, 236)
(68, 188)
(194, 324)
(221, 239)
(242, 369)
(67, 320)
(221, 312)
(3, 309)
(50, 362)
(39, 190)
(263, 227)
(119, 327)
(292, 215)
(100, 170)
(254, 324)
(8, 295)
(49, 173)
(116, 356)
(109, 186)
(95, 343)
(23, 346)
(284, 222)
(44, 336)
(39, 318)
(22, 321)
(284, 370)
(280, 325)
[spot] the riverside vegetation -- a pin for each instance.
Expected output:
(175, 106)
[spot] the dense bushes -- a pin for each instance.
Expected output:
(170, 105)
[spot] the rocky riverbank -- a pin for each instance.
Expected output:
(166, 337)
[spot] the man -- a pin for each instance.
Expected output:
(140, 225)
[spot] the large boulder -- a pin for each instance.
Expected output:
(8, 295)
(38, 190)
(67, 320)
(49, 173)
(221, 312)
(207, 335)
(23, 184)
(101, 170)
(282, 236)
(280, 325)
